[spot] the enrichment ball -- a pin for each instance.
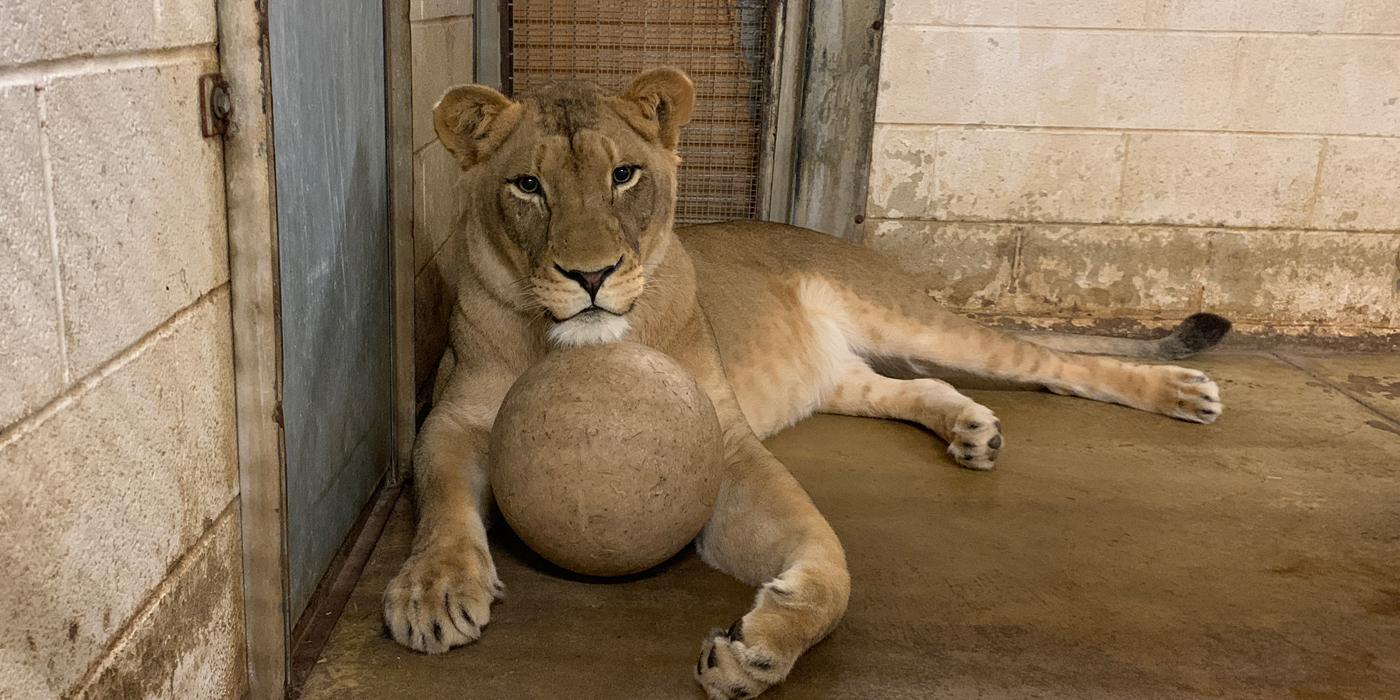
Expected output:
(606, 459)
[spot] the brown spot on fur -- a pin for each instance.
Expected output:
(567, 107)
(73, 631)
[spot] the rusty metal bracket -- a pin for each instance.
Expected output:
(215, 105)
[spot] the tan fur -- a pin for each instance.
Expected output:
(774, 322)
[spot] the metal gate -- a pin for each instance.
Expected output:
(723, 45)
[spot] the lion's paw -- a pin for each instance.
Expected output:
(441, 598)
(975, 440)
(731, 669)
(1189, 394)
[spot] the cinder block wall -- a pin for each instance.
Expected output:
(119, 532)
(1070, 161)
(442, 57)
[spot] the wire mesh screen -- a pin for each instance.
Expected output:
(722, 44)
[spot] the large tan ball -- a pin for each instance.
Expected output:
(606, 459)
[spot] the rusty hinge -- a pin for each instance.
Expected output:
(215, 105)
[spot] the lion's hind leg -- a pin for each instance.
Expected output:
(882, 322)
(972, 431)
(766, 531)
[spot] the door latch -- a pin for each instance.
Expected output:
(215, 105)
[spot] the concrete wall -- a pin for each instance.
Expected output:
(1057, 160)
(119, 526)
(442, 57)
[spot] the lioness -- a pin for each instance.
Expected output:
(571, 193)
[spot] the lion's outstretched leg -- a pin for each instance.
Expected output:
(971, 430)
(914, 327)
(442, 596)
(766, 531)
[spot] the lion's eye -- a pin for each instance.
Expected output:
(623, 174)
(529, 184)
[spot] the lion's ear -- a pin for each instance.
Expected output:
(472, 120)
(664, 99)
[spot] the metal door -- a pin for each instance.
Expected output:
(333, 257)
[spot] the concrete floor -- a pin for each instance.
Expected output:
(1112, 553)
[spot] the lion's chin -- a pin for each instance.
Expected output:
(594, 327)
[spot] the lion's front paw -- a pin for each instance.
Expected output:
(442, 597)
(1188, 394)
(729, 668)
(975, 440)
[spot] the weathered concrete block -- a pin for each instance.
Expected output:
(1360, 185)
(902, 171)
(1023, 13)
(1248, 15)
(437, 201)
(1219, 179)
(963, 266)
(189, 642)
(39, 30)
(433, 9)
(442, 58)
(1318, 84)
(936, 75)
(1304, 277)
(1371, 17)
(139, 202)
(31, 364)
(1311, 16)
(1002, 174)
(102, 497)
(1110, 270)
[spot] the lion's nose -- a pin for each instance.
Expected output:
(590, 280)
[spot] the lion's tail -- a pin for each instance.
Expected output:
(1198, 332)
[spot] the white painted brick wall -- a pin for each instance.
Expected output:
(1219, 179)
(30, 335)
(116, 395)
(1147, 123)
(39, 30)
(138, 198)
(108, 490)
(1296, 16)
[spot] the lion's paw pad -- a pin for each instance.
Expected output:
(975, 439)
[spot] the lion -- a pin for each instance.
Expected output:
(571, 195)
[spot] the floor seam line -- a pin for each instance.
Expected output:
(1344, 392)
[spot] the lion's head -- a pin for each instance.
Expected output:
(575, 188)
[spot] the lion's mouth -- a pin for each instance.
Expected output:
(590, 312)
(589, 326)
